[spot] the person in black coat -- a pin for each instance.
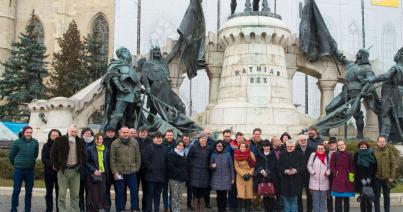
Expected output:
(155, 166)
(290, 168)
(109, 137)
(198, 165)
(266, 171)
(97, 175)
(143, 140)
(88, 136)
(177, 175)
(50, 174)
(306, 151)
(365, 166)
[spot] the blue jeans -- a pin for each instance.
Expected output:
(382, 184)
(290, 204)
(154, 190)
(319, 200)
(131, 181)
(26, 175)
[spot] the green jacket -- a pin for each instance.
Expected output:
(125, 158)
(23, 153)
(386, 161)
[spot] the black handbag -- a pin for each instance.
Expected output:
(367, 193)
(246, 177)
(96, 179)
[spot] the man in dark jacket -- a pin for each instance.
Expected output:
(50, 174)
(278, 148)
(155, 165)
(170, 143)
(256, 143)
(68, 157)
(290, 167)
(22, 155)
(109, 137)
(314, 138)
(143, 140)
(306, 151)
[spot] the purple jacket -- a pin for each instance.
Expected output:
(317, 179)
(341, 163)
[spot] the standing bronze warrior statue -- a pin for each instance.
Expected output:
(391, 99)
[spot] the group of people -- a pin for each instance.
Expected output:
(239, 171)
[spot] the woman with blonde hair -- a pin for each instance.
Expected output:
(244, 162)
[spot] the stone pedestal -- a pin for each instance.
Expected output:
(254, 89)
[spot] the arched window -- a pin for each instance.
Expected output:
(388, 46)
(38, 31)
(100, 29)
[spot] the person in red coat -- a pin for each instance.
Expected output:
(341, 166)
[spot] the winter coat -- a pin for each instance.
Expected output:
(341, 163)
(291, 185)
(60, 153)
(386, 163)
(92, 161)
(155, 163)
(45, 156)
(171, 146)
(198, 165)
(177, 167)
(362, 172)
(307, 154)
(108, 142)
(223, 174)
(313, 142)
(23, 153)
(255, 146)
(317, 169)
(268, 163)
(125, 158)
(244, 188)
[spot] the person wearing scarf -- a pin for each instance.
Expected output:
(88, 136)
(177, 175)
(222, 174)
(244, 162)
(97, 170)
(365, 169)
(319, 171)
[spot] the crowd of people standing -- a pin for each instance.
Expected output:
(246, 174)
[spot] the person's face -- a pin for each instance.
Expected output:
(124, 133)
(169, 136)
(257, 135)
(203, 141)
(312, 133)
(208, 132)
(54, 135)
(302, 141)
(110, 134)
(341, 146)
(321, 149)
(242, 147)
(143, 134)
(87, 134)
(99, 141)
(28, 133)
(219, 147)
(72, 132)
(239, 138)
(186, 140)
(227, 136)
(290, 147)
(333, 146)
(382, 142)
(363, 147)
(132, 133)
(157, 140)
(266, 148)
(276, 143)
(285, 138)
(180, 147)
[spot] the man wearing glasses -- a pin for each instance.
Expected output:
(306, 151)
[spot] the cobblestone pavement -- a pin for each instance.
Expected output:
(38, 205)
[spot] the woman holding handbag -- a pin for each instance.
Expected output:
(341, 167)
(244, 162)
(266, 175)
(319, 171)
(222, 174)
(366, 168)
(97, 167)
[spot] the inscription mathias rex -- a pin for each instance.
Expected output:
(256, 70)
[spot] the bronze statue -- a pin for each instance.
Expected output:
(248, 6)
(392, 108)
(122, 95)
(348, 102)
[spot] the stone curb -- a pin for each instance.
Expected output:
(396, 199)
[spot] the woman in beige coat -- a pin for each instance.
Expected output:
(244, 162)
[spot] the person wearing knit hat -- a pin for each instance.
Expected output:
(22, 155)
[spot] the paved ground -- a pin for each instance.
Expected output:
(38, 205)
